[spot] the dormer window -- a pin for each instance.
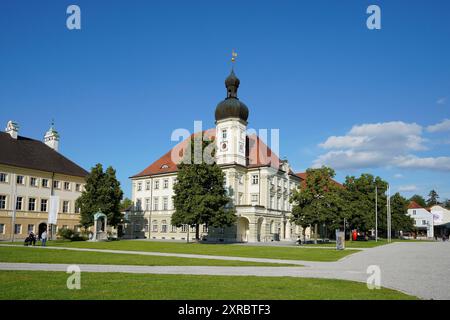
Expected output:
(164, 166)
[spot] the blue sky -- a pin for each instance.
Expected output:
(137, 70)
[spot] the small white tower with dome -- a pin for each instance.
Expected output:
(51, 138)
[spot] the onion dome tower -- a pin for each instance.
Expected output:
(231, 125)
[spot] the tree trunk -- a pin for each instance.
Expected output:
(197, 232)
(187, 239)
(315, 233)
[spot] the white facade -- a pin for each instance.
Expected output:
(423, 220)
(441, 215)
(260, 196)
(258, 183)
(25, 192)
(231, 141)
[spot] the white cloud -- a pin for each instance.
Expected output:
(389, 144)
(442, 100)
(413, 162)
(398, 176)
(444, 125)
(408, 188)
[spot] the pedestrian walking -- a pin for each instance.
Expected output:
(44, 238)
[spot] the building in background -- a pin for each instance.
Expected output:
(423, 220)
(258, 182)
(34, 178)
(441, 220)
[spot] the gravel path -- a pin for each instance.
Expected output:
(419, 269)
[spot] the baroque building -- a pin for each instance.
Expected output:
(258, 182)
(35, 179)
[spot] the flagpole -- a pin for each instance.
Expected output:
(376, 213)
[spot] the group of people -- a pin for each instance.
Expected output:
(32, 238)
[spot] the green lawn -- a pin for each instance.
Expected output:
(40, 255)
(270, 252)
(100, 286)
(363, 244)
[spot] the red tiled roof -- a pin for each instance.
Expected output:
(414, 205)
(257, 152)
(303, 176)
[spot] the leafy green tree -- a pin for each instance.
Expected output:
(432, 198)
(359, 196)
(400, 221)
(125, 204)
(419, 200)
(200, 196)
(318, 201)
(102, 192)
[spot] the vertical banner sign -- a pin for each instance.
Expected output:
(53, 210)
(340, 240)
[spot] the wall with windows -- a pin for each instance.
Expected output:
(33, 189)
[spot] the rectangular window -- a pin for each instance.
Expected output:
(166, 183)
(65, 206)
(164, 228)
(414, 212)
(174, 181)
(138, 204)
(78, 187)
(424, 222)
(224, 133)
(3, 177)
(147, 204)
(45, 183)
(2, 202)
(67, 186)
(30, 228)
(56, 184)
(139, 186)
(17, 228)
(77, 210)
(19, 202)
(205, 228)
(255, 179)
(184, 228)
(44, 203)
(155, 226)
(254, 198)
(33, 182)
(156, 184)
(31, 204)
(147, 185)
(174, 229)
(165, 203)
(155, 204)
(2, 228)
(20, 180)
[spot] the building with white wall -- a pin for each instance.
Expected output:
(423, 220)
(33, 172)
(441, 220)
(258, 182)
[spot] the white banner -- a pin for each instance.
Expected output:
(53, 210)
